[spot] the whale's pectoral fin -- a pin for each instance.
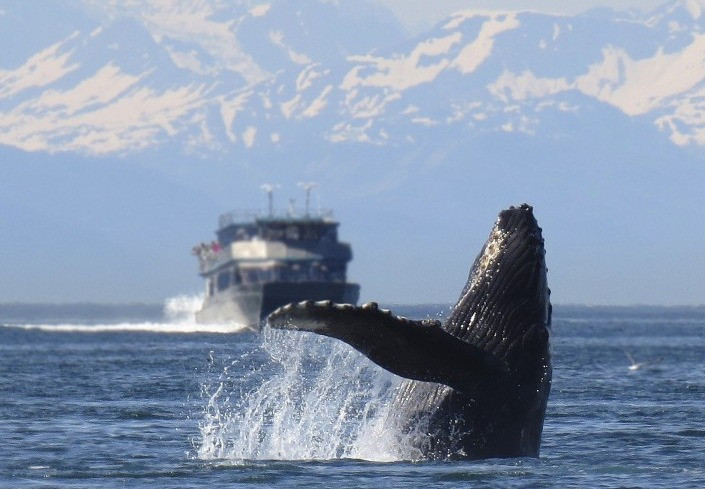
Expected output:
(419, 350)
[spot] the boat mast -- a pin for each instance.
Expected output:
(307, 186)
(269, 188)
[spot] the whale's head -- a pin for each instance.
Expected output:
(505, 308)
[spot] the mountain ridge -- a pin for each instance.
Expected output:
(480, 70)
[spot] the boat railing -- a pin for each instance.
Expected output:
(210, 255)
(244, 216)
(212, 260)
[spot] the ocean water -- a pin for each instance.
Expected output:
(169, 404)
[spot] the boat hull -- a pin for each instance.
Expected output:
(250, 304)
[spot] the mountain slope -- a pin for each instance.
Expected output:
(215, 76)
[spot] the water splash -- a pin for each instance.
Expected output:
(182, 308)
(301, 397)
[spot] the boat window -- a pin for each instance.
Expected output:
(335, 271)
(265, 275)
(223, 280)
(249, 276)
(292, 232)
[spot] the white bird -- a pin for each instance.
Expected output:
(635, 365)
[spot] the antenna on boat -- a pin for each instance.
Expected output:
(307, 186)
(270, 188)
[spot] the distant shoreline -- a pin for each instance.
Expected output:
(79, 312)
(110, 313)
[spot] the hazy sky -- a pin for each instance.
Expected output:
(419, 14)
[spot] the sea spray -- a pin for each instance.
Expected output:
(182, 308)
(301, 397)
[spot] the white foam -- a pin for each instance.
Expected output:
(182, 307)
(314, 398)
(148, 327)
(179, 313)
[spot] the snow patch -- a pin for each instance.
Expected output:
(639, 86)
(103, 113)
(260, 10)
(42, 69)
(187, 60)
(204, 138)
(306, 77)
(475, 53)
(193, 22)
(266, 101)
(106, 85)
(229, 110)
(458, 18)
(344, 131)
(670, 83)
(134, 121)
(369, 106)
(248, 137)
(318, 104)
(510, 87)
(686, 124)
(402, 72)
(694, 8)
(277, 38)
(288, 107)
(425, 121)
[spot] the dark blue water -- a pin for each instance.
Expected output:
(144, 405)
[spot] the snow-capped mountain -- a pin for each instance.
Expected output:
(119, 77)
(125, 76)
(126, 127)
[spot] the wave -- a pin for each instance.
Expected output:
(179, 317)
(132, 327)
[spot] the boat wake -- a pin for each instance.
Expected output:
(301, 397)
(179, 317)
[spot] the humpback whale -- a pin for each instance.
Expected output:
(476, 386)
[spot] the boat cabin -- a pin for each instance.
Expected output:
(260, 250)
